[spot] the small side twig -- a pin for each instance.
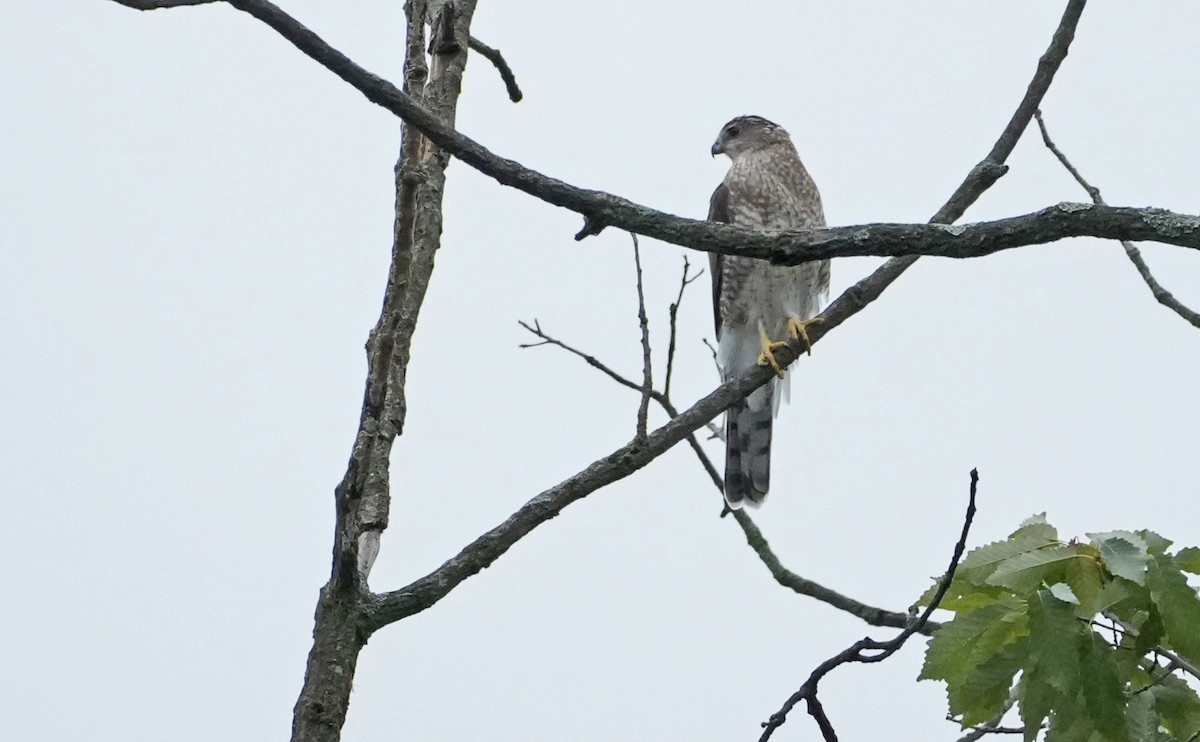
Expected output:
(1179, 662)
(644, 323)
(673, 313)
(857, 652)
(506, 74)
(1161, 295)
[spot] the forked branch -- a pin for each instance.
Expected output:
(867, 650)
(1161, 295)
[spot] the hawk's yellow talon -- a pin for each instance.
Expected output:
(769, 346)
(799, 329)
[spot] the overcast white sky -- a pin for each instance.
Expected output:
(195, 223)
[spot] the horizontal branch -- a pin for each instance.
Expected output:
(161, 4)
(601, 209)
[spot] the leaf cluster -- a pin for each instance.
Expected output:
(1086, 638)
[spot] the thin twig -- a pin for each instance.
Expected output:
(673, 314)
(1151, 666)
(647, 387)
(1161, 295)
(1175, 659)
(596, 363)
(497, 60)
(881, 650)
(984, 729)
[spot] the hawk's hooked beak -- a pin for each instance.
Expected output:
(717, 149)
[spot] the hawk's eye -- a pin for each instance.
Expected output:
(733, 131)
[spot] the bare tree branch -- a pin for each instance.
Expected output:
(1179, 662)
(647, 388)
(882, 650)
(161, 4)
(363, 497)
(869, 614)
(602, 209)
(754, 537)
(497, 60)
(672, 316)
(1161, 295)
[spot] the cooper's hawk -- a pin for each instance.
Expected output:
(755, 302)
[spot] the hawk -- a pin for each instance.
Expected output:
(766, 188)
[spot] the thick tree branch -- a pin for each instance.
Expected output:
(603, 209)
(161, 4)
(880, 651)
(1161, 295)
(363, 497)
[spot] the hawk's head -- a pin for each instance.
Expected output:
(748, 134)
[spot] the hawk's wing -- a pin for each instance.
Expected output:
(718, 211)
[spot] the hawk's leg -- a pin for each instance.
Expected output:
(797, 328)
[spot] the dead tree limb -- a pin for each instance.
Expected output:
(1161, 295)
(363, 497)
(888, 240)
(868, 650)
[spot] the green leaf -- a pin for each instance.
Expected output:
(970, 639)
(1123, 557)
(1026, 572)
(1143, 719)
(982, 693)
(1118, 591)
(1189, 560)
(1155, 544)
(1133, 538)
(963, 595)
(980, 562)
(1055, 638)
(1035, 700)
(1035, 526)
(1069, 721)
(1084, 575)
(1103, 691)
(1063, 592)
(1178, 706)
(1178, 606)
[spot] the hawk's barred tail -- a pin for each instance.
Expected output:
(747, 454)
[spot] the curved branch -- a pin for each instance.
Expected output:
(881, 650)
(498, 61)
